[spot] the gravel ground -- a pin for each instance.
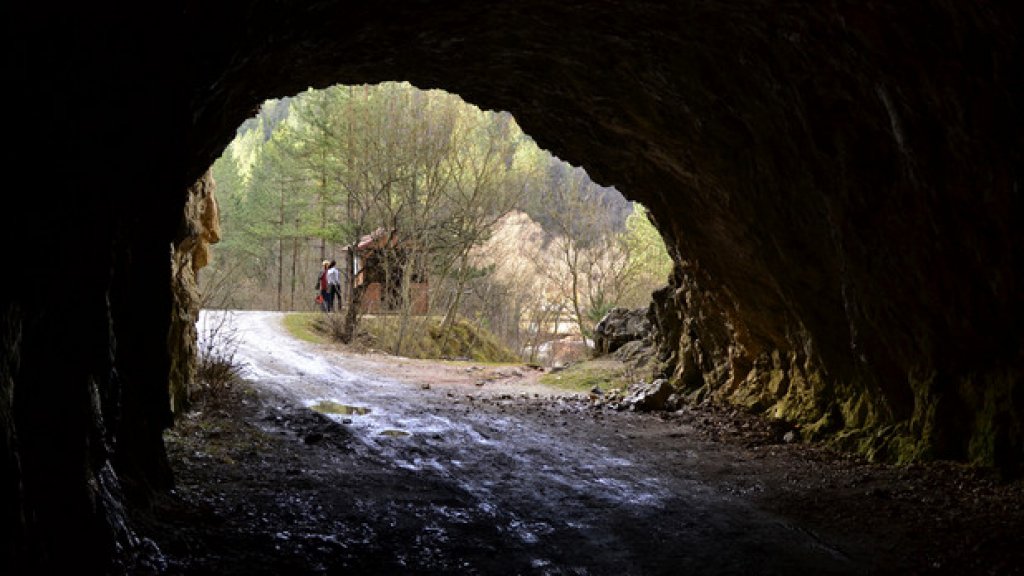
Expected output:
(323, 461)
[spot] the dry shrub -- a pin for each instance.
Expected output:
(333, 326)
(216, 368)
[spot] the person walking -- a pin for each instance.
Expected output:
(333, 287)
(322, 286)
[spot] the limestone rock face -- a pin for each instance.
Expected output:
(620, 326)
(839, 183)
(200, 227)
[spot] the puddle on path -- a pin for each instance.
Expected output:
(332, 407)
(394, 433)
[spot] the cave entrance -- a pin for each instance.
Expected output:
(516, 256)
(453, 234)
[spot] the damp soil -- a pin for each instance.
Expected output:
(327, 461)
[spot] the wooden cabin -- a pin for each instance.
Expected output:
(380, 263)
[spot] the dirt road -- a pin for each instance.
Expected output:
(426, 468)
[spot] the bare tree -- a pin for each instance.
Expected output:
(584, 239)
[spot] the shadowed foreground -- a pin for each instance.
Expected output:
(457, 478)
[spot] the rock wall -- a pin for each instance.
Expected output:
(847, 246)
(838, 181)
(200, 227)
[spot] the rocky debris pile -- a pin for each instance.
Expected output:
(502, 374)
(639, 397)
(628, 336)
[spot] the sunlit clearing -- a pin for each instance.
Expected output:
(447, 219)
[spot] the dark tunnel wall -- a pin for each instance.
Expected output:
(839, 181)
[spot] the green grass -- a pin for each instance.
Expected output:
(423, 337)
(302, 326)
(583, 376)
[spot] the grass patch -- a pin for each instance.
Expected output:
(421, 337)
(424, 338)
(302, 325)
(583, 376)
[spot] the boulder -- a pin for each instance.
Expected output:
(619, 327)
(649, 397)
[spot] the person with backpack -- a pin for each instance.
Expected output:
(323, 288)
(333, 286)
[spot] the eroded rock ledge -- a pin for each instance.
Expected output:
(200, 227)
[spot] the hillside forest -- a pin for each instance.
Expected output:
(435, 212)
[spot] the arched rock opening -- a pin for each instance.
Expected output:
(840, 183)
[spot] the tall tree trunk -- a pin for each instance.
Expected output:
(453, 308)
(541, 319)
(348, 329)
(280, 271)
(577, 312)
(405, 307)
(280, 248)
(347, 278)
(295, 271)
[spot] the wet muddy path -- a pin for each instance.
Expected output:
(328, 464)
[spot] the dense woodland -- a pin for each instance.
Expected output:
(501, 233)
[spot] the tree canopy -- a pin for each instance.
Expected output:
(310, 176)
